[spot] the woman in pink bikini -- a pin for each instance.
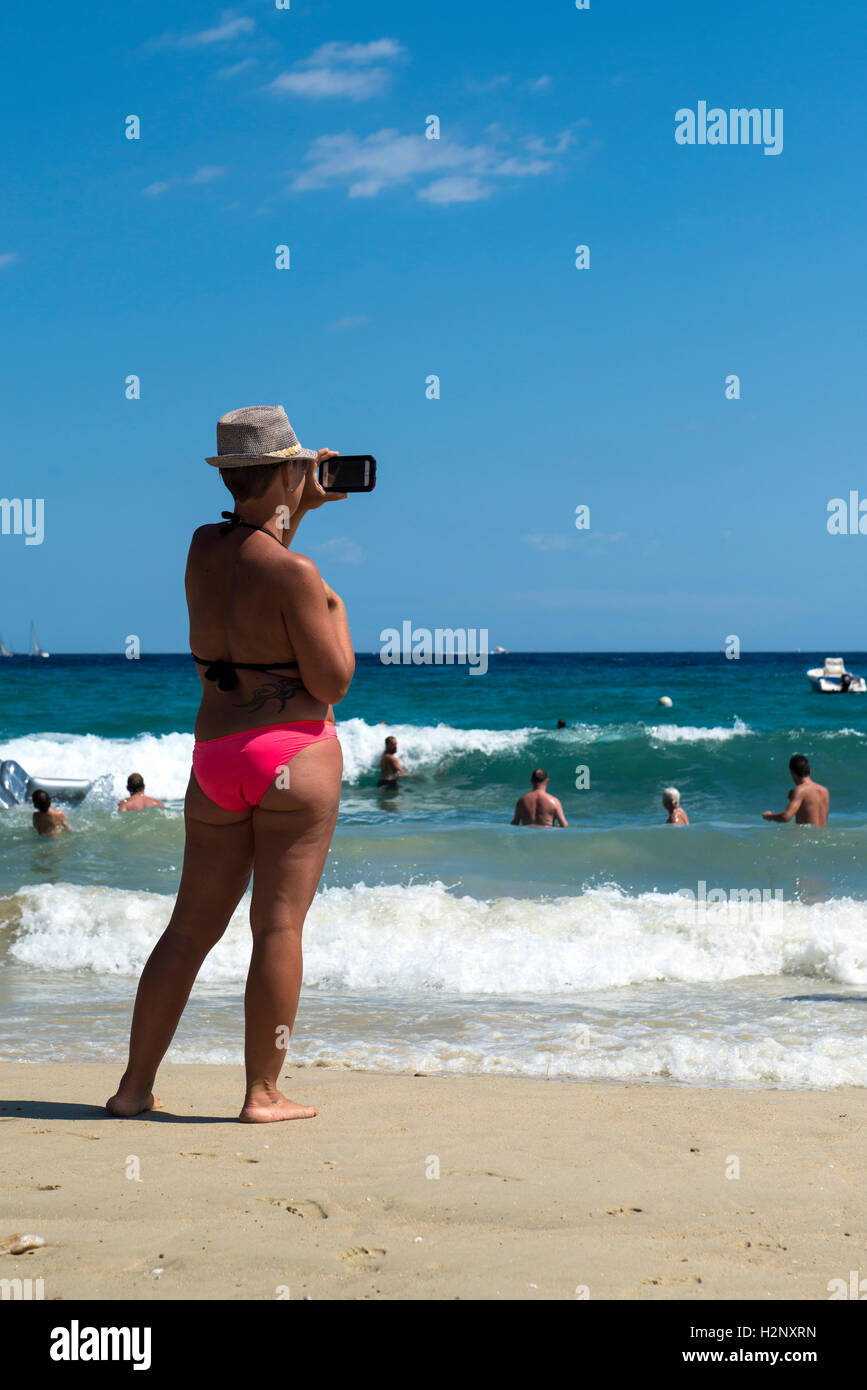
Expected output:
(272, 647)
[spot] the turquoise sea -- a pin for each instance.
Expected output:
(443, 938)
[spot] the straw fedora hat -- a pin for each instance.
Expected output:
(256, 434)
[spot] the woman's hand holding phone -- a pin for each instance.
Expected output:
(314, 493)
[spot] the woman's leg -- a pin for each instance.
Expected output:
(292, 831)
(218, 858)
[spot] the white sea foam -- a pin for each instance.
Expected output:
(661, 1055)
(417, 978)
(164, 760)
(684, 733)
(423, 939)
(422, 746)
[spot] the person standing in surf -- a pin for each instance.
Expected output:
(808, 800)
(538, 807)
(271, 643)
(390, 769)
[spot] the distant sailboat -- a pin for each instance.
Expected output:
(37, 650)
(3, 648)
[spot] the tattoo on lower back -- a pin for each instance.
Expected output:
(282, 689)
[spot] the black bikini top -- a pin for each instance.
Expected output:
(225, 672)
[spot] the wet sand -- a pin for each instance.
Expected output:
(546, 1190)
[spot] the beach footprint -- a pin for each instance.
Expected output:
(479, 1173)
(361, 1258)
(309, 1209)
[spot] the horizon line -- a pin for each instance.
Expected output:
(536, 651)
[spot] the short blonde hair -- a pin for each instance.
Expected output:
(671, 798)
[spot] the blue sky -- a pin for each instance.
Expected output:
(412, 257)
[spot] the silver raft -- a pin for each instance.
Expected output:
(17, 786)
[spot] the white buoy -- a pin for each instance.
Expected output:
(665, 700)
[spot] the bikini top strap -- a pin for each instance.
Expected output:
(225, 673)
(233, 521)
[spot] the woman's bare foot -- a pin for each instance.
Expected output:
(264, 1104)
(126, 1105)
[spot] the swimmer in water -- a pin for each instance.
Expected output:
(136, 801)
(46, 822)
(808, 800)
(389, 765)
(671, 801)
(538, 807)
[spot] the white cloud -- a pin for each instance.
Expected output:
(9, 258)
(340, 70)
(542, 542)
(446, 170)
(366, 165)
(520, 168)
(490, 84)
(341, 551)
(504, 79)
(594, 541)
(331, 82)
(235, 68)
(231, 26)
(599, 540)
(558, 146)
(358, 53)
(455, 190)
(206, 173)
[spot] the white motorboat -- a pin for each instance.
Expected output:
(834, 679)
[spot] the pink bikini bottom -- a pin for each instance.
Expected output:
(235, 771)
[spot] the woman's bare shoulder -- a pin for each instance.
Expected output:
(204, 533)
(302, 564)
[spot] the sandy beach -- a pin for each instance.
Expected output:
(546, 1190)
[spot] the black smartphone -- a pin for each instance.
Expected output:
(348, 473)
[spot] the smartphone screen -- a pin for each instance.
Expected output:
(348, 473)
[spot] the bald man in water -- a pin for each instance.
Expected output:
(538, 807)
(137, 801)
(808, 800)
